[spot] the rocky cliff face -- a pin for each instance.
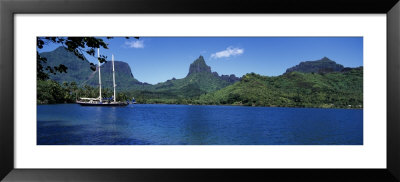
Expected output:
(199, 66)
(122, 67)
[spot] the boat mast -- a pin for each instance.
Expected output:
(98, 58)
(115, 99)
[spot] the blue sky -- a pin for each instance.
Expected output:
(157, 59)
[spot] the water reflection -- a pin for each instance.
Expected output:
(196, 128)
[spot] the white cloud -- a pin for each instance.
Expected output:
(135, 44)
(228, 52)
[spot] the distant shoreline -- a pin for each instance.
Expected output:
(253, 106)
(225, 105)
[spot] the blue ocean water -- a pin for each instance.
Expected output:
(158, 124)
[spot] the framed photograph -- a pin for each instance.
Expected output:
(145, 91)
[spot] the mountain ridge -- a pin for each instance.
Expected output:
(324, 65)
(199, 78)
(79, 71)
(76, 71)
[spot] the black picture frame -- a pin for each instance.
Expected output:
(9, 8)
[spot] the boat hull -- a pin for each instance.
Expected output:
(120, 104)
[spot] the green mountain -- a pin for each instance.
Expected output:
(79, 71)
(199, 80)
(324, 65)
(294, 89)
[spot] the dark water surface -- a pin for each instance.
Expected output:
(148, 124)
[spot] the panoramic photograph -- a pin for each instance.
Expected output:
(199, 91)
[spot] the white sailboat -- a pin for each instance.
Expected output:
(99, 101)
